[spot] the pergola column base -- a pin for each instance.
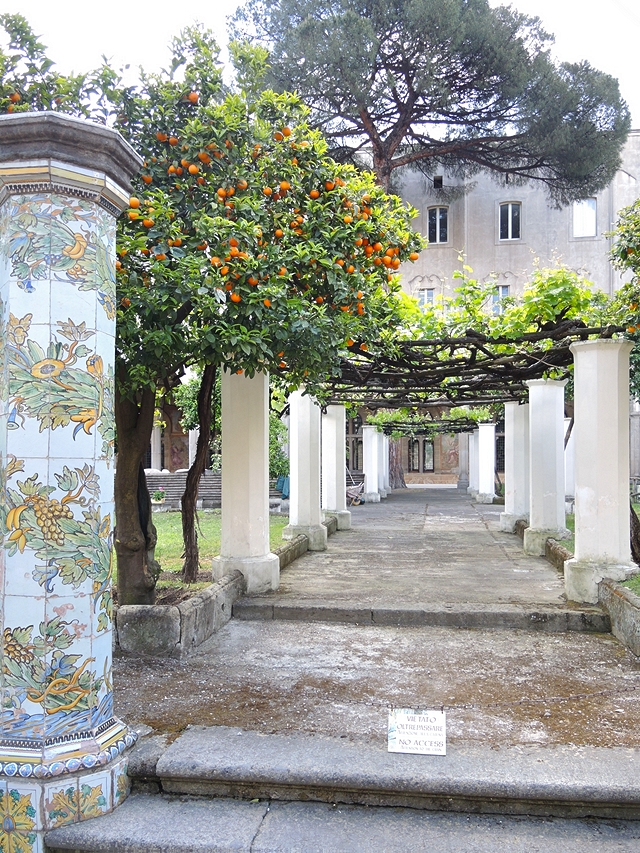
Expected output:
(383, 493)
(315, 533)
(371, 497)
(581, 578)
(342, 516)
(261, 574)
(508, 521)
(472, 492)
(484, 498)
(535, 539)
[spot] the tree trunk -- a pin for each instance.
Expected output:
(189, 532)
(396, 474)
(635, 535)
(135, 533)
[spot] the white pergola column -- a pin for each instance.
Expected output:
(546, 465)
(463, 461)
(381, 449)
(473, 463)
(193, 444)
(569, 463)
(370, 461)
(244, 544)
(334, 466)
(305, 514)
(156, 448)
(486, 463)
(601, 409)
(385, 459)
(516, 466)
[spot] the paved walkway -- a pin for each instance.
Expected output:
(421, 547)
(418, 549)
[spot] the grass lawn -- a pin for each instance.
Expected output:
(170, 589)
(169, 547)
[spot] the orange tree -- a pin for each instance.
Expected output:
(245, 246)
(249, 248)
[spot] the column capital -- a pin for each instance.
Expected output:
(546, 383)
(602, 343)
(55, 152)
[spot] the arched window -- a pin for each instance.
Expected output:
(414, 455)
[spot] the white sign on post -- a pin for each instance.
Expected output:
(419, 732)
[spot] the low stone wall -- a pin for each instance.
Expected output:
(556, 554)
(623, 607)
(173, 631)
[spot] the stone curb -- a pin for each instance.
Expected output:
(623, 607)
(548, 619)
(537, 780)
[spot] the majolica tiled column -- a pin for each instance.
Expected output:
(63, 182)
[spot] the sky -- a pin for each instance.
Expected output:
(135, 33)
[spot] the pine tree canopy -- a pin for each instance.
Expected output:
(453, 84)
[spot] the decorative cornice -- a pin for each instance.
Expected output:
(52, 148)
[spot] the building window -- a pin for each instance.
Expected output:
(426, 297)
(427, 455)
(438, 231)
(437, 182)
(510, 218)
(584, 218)
(501, 292)
(414, 455)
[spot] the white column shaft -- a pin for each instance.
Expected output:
(569, 462)
(385, 459)
(473, 463)
(486, 463)
(244, 544)
(193, 444)
(516, 465)
(381, 448)
(156, 448)
(370, 463)
(546, 464)
(601, 429)
(463, 460)
(305, 514)
(334, 465)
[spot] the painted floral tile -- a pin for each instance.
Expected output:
(121, 784)
(20, 818)
(61, 802)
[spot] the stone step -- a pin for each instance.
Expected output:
(173, 824)
(528, 617)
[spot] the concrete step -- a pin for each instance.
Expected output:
(548, 618)
(172, 824)
(562, 781)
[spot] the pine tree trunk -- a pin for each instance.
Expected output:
(396, 474)
(191, 563)
(135, 532)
